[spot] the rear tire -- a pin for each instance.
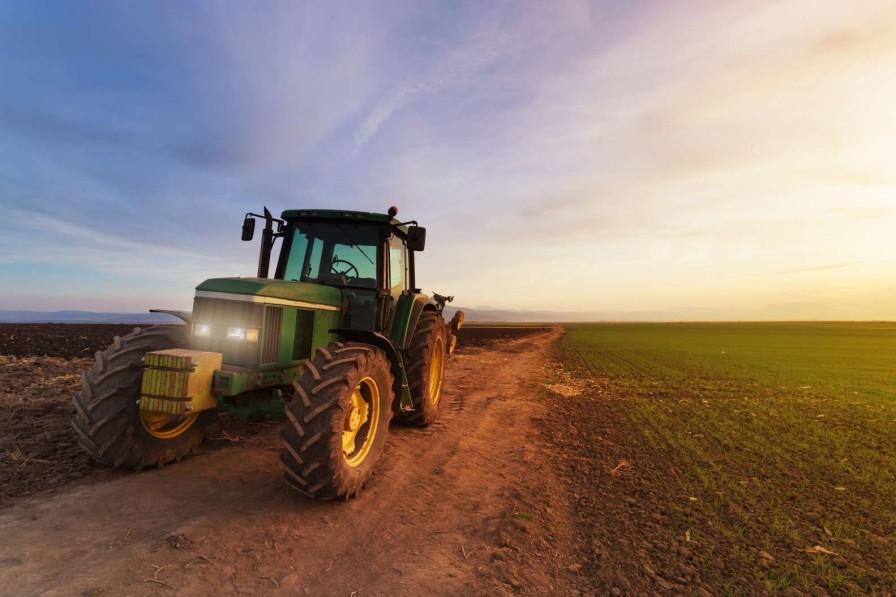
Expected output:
(337, 421)
(108, 419)
(425, 366)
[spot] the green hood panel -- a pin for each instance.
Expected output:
(280, 289)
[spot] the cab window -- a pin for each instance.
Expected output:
(337, 254)
(398, 269)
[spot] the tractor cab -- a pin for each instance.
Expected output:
(369, 257)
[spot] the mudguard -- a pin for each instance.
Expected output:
(407, 314)
(185, 316)
(400, 383)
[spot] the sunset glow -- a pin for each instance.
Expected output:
(648, 160)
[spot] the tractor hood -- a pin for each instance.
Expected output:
(276, 290)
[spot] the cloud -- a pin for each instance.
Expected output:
(279, 84)
(59, 241)
(470, 58)
(814, 268)
(31, 121)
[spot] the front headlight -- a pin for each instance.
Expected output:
(243, 334)
(203, 330)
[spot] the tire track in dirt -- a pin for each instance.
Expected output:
(469, 505)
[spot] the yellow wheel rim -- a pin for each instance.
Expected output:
(361, 422)
(436, 364)
(165, 426)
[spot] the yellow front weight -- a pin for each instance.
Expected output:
(178, 382)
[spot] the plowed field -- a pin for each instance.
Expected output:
(469, 505)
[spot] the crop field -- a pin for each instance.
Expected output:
(767, 450)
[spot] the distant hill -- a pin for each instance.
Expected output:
(489, 314)
(777, 312)
(84, 317)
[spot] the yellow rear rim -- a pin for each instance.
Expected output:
(361, 422)
(436, 363)
(165, 426)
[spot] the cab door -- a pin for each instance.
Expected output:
(397, 280)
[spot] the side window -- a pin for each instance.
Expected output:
(398, 269)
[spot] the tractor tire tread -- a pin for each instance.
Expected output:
(417, 362)
(312, 438)
(105, 405)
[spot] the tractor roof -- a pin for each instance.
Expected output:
(340, 214)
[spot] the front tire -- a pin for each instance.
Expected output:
(110, 425)
(337, 421)
(425, 370)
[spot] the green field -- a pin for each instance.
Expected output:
(782, 434)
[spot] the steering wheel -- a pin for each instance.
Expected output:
(345, 270)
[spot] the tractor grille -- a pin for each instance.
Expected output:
(273, 319)
(220, 314)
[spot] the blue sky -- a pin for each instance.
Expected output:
(596, 156)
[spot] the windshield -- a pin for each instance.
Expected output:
(334, 253)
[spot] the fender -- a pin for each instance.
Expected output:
(185, 316)
(407, 314)
(400, 383)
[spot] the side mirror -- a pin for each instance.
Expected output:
(416, 238)
(248, 228)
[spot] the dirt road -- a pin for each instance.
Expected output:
(470, 505)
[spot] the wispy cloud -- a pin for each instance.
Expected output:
(812, 268)
(113, 254)
(458, 68)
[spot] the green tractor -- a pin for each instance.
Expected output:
(338, 341)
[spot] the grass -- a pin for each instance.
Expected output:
(785, 432)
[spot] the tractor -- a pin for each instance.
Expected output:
(338, 342)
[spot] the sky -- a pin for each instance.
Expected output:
(728, 159)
